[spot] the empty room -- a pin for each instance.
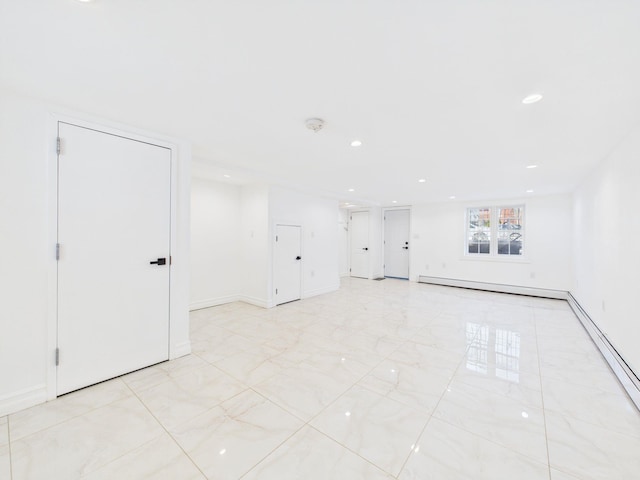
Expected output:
(319, 240)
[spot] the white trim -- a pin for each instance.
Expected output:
(258, 302)
(179, 235)
(494, 287)
(213, 302)
(627, 377)
(180, 350)
(22, 399)
(320, 291)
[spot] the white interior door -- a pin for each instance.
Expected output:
(359, 244)
(113, 223)
(396, 243)
(287, 265)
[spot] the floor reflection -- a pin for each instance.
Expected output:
(493, 351)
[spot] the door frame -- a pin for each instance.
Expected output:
(384, 231)
(350, 226)
(179, 343)
(272, 299)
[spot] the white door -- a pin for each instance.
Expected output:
(287, 264)
(113, 235)
(396, 243)
(359, 244)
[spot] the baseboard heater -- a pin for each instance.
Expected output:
(626, 376)
(494, 287)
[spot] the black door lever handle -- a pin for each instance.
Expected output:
(160, 261)
(298, 257)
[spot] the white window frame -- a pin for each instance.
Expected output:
(494, 230)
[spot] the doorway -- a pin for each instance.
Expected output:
(396, 243)
(114, 255)
(287, 264)
(359, 258)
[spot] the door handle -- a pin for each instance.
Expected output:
(365, 248)
(160, 261)
(298, 257)
(406, 248)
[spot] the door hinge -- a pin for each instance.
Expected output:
(57, 251)
(57, 357)
(276, 238)
(276, 291)
(58, 146)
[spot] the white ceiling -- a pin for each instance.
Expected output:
(432, 88)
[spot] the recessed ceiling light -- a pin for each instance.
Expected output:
(533, 98)
(529, 191)
(351, 190)
(422, 180)
(394, 201)
(85, 1)
(226, 176)
(452, 197)
(532, 166)
(356, 143)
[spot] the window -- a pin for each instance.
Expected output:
(495, 231)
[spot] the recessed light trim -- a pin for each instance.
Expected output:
(422, 180)
(530, 191)
(226, 176)
(394, 201)
(356, 143)
(351, 190)
(533, 98)
(532, 166)
(452, 197)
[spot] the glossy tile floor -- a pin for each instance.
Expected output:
(380, 380)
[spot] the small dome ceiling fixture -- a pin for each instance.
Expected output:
(356, 143)
(315, 124)
(533, 98)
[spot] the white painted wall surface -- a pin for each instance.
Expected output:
(438, 235)
(25, 215)
(320, 250)
(215, 247)
(23, 234)
(254, 270)
(606, 259)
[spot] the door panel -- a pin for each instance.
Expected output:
(396, 243)
(113, 220)
(360, 244)
(287, 264)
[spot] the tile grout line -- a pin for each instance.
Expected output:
(544, 410)
(446, 389)
(167, 431)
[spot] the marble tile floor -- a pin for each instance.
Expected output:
(379, 380)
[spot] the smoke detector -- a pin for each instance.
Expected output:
(315, 124)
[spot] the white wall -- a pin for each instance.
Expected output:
(438, 235)
(255, 271)
(215, 248)
(26, 356)
(320, 250)
(607, 260)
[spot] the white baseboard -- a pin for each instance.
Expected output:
(180, 350)
(258, 302)
(495, 287)
(345, 274)
(22, 399)
(213, 302)
(627, 377)
(320, 291)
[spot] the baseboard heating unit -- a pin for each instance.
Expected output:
(494, 287)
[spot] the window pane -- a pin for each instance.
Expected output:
(510, 230)
(479, 230)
